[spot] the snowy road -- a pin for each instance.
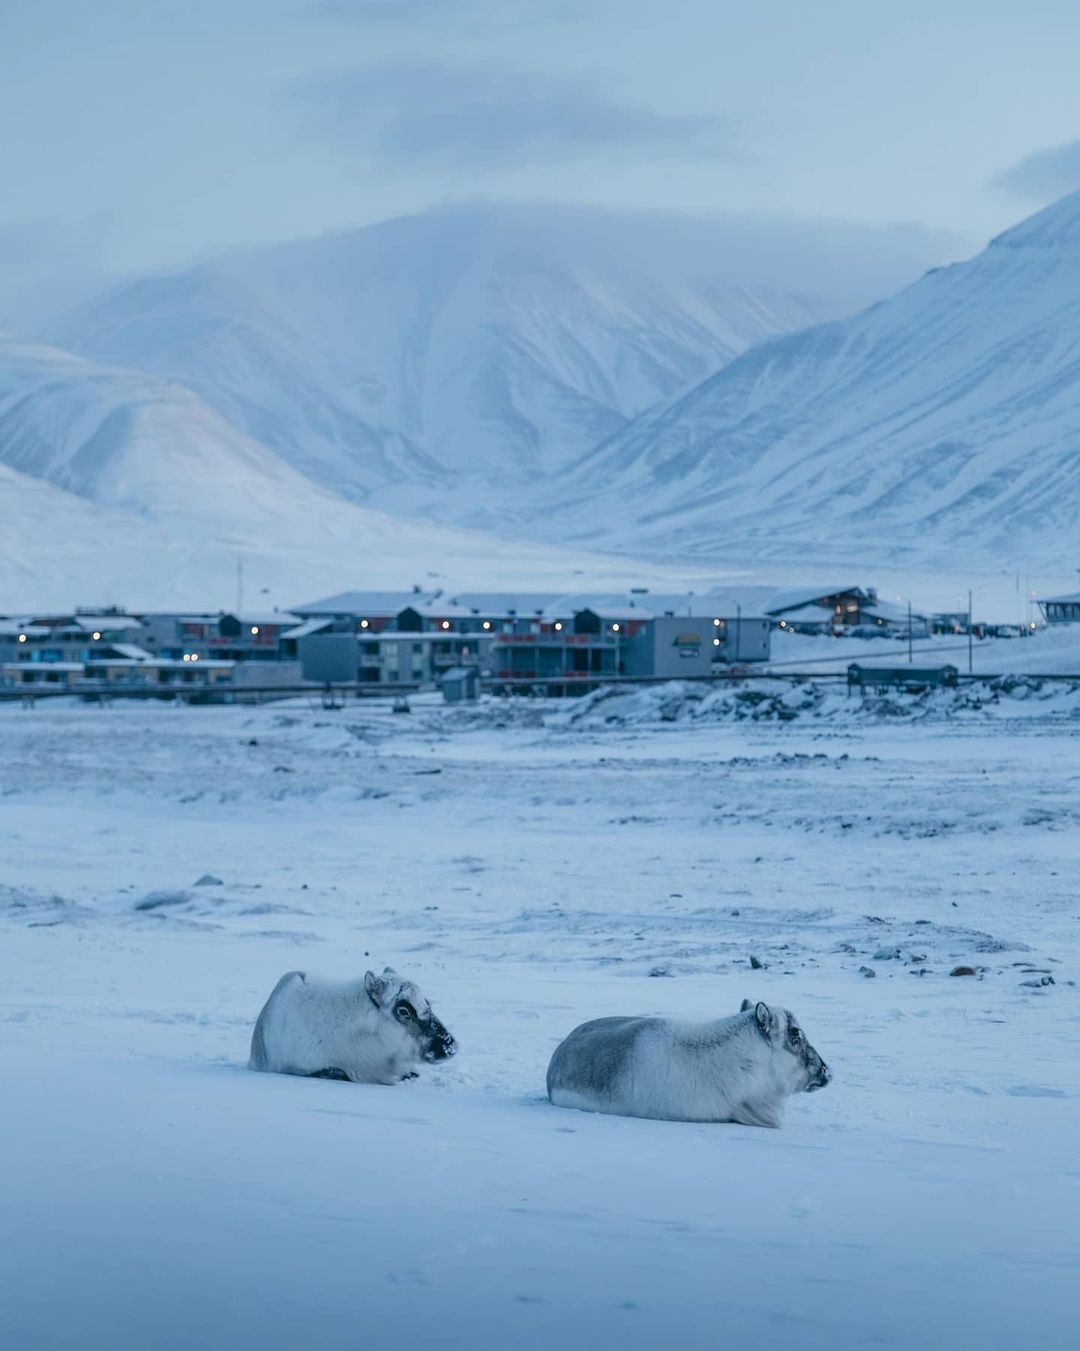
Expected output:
(156, 1197)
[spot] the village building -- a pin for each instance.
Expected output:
(1061, 609)
(53, 638)
(251, 636)
(855, 610)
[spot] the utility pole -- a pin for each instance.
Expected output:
(909, 654)
(970, 636)
(239, 587)
(738, 630)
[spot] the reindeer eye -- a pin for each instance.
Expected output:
(796, 1036)
(404, 1012)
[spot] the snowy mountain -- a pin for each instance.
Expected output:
(117, 486)
(442, 363)
(940, 426)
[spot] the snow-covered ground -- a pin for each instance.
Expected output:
(530, 867)
(1049, 650)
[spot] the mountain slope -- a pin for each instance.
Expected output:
(119, 486)
(444, 362)
(942, 423)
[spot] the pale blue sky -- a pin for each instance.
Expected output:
(147, 133)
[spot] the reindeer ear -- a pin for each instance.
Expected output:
(388, 971)
(375, 987)
(745, 1005)
(763, 1018)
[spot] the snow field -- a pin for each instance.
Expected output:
(529, 876)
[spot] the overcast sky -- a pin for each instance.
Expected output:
(147, 133)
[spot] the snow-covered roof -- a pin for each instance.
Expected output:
(439, 609)
(130, 650)
(378, 603)
(14, 666)
(11, 628)
(616, 604)
(792, 599)
(308, 626)
(708, 606)
(809, 614)
(1073, 598)
(751, 597)
(506, 602)
(105, 623)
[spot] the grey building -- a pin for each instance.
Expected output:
(68, 638)
(1061, 609)
(390, 657)
(460, 683)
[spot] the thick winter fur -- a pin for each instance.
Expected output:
(733, 1069)
(375, 1030)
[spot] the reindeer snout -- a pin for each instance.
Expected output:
(820, 1078)
(441, 1046)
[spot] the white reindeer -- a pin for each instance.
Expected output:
(731, 1069)
(372, 1031)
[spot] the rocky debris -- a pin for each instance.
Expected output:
(209, 880)
(756, 964)
(887, 955)
(963, 971)
(660, 970)
(781, 700)
(159, 900)
(867, 972)
(1038, 984)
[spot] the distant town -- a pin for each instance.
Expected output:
(531, 642)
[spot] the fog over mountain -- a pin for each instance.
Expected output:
(443, 363)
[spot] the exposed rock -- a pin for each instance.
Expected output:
(158, 900)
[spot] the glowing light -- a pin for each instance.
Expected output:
(487, 623)
(716, 622)
(22, 637)
(95, 636)
(254, 630)
(614, 628)
(558, 626)
(445, 624)
(194, 656)
(187, 656)
(716, 642)
(363, 623)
